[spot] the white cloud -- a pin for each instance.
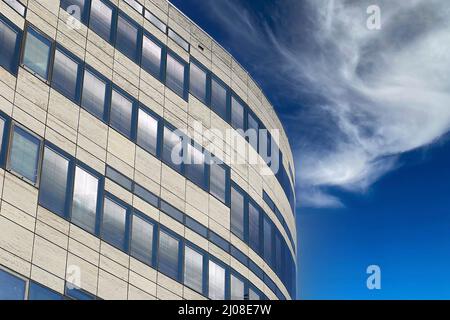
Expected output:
(379, 93)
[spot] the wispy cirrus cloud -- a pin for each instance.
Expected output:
(354, 99)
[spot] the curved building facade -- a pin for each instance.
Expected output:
(138, 160)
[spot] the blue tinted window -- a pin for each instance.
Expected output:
(237, 288)
(219, 98)
(119, 178)
(66, 77)
(36, 56)
(195, 166)
(76, 8)
(253, 294)
(121, 117)
(198, 82)
(24, 154)
(196, 226)
(141, 246)
(135, 5)
(114, 224)
(254, 227)
(4, 126)
(146, 195)
(17, 6)
(253, 131)
(193, 269)
(128, 37)
(102, 19)
(10, 37)
(237, 114)
(78, 294)
(168, 255)
(151, 56)
(237, 213)
(178, 39)
(155, 21)
(11, 287)
(53, 187)
(95, 93)
(175, 75)
(147, 132)
(268, 233)
(39, 292)
(219, 181)
(85, 200)
(172, 152)
(216, 281)
(172, 211)
(219, 241)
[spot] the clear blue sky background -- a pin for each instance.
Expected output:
(395, 210)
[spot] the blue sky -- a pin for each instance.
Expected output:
(367, 113)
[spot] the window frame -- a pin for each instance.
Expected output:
(180, 256)
(244, 112)
(20, 277)
(226, 275)
(155, 238)
(244, 213)
(108, 93)
(176, 167)
(227, 116)
(39, 158)
(24, 14)
(176, 57)
(19, 44)
(162, 64)
(204, 184)
(80, 74)
(127, 208)
(100, 195)
(113, 24)
(134, 109)
(84, 15)
(5, 141)
(159, 129)
(44, 38)
(138, 48)
(205, 261)
(207, 99)
(69, 183)
(227, 200)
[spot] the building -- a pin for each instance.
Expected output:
(93, 204)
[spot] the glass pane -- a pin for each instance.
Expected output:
(218, 181)
(65, 76)
(147, 135)
(193, 269)
(127, 38)
(101, 19)
(237, 213)
(178, 39)
(195, 167)
(85, 198)
(237, 114)
(17, 6)
(119, 178)
(151, 57)
(37, 53)
(175, 75)
(197, 82)
(136, 5)
(78, 294)
(237, 288)
(142, 240)
(9, 42)
(39, 292)
(53, 185)
(24, 154)
(168, 255)
(267, 241)
(121, 113)
(219, 99)
(216, 283)
(252, 295)
(113, 224)
(253, 131)
(11, 287)
(94, 94)
(155, 21)
(253, 226)
(172, 149)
